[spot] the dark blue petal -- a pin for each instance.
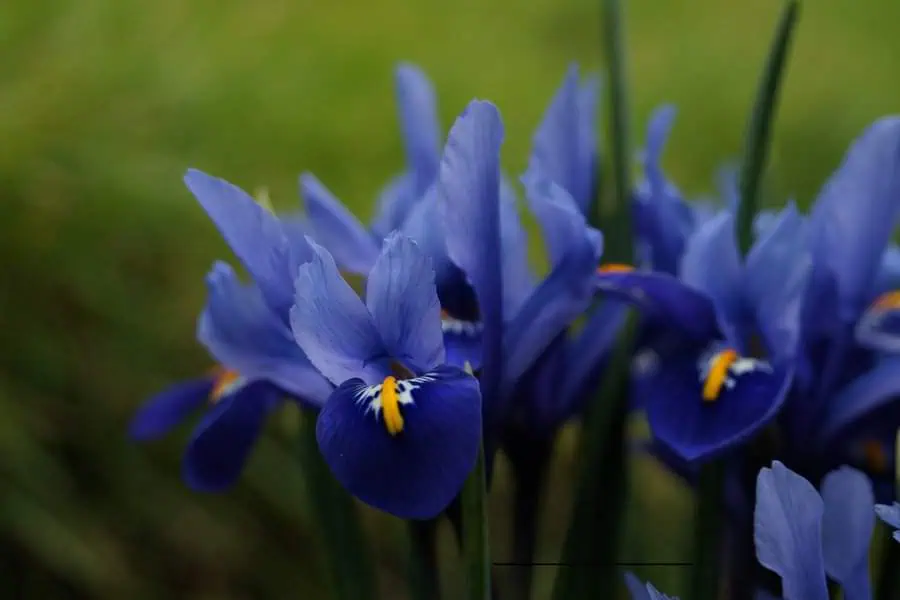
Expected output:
(224, 438)
(518, 279)
(775, 279)
(469, 205)
(788, 532)
(589, 352)
(565, 294)
(712, 265)
(417, 106)
(847, 528)
(166, 410)
(559, 142)
(240, 330)
(854, 216)
(395, 202)
(879, 327)
(863, 403)
(332, 325)
(416, 473)
(462, 342)
(663, 297)
(253, 233)
(335, 228)
(404, 304)
(696, 428)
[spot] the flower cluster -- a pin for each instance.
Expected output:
(789, 351)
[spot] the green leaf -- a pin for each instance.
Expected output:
(476, 547)
(341, 534)
(423, 561)
(759, 131)
(709, 522)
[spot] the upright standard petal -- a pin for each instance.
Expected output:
(241, 331)
(775, 278)
(589, 164)
(417, 107)
(407, 446)
(847, 528)
(854, 216)
(223, 440)
(335, 228)
(562, 223)
(712, 265)
(332, 325)
(395, 202)
(788, 532)
(404, 304)
(468, 191)
(663, 297)
(558, 142)
(254, 234)
(166, 410)
(518, 278)
(700, 404)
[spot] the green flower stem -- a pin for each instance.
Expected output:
(423, 567)
(709, 524)
(476, 547)
(341, 534)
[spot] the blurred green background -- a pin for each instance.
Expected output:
(105, 103)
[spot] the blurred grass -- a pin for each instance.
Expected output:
(104, 104)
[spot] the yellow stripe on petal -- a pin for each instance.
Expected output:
(225, 381)
(875, 456)
(390, 406)
(718, 374)
(887, 301)
(615, 268)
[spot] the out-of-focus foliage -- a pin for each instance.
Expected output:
(104, 104)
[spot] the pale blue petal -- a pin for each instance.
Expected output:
(518, 278)
(788, 532)
(888, 278)
(403, 301)
(241, 332)
(417, 105)
(847, 528)
(254, 234)
(333, 326)
(775, 278)
(469, 205)
(854, 217)
(561, 221)
(395, 202)
(337, 229)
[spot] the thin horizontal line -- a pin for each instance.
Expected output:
(593, 564)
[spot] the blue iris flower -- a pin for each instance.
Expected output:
(803, 536)
(890, 514)
(844, 407)
(262, 367)
(401, 432)
(702, 389)
(403, 207)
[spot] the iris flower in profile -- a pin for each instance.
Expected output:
(803, 536)
(264, 366)
(245, 328)
(402, 429)
(703, 389)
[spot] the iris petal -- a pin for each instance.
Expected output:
(253, 233)
(847, 528)
(558, 141)
(879, 327)
(663, 297)
(468, 203)
(890, 514)
(775, 278)
(518, 279)
(788, 532)
(562, 224)
(395, 202)
(416, 473)
(336, 228)
(854, 216)
(869, 400)
(588, 101)
(332, 325)
(417, 105)
(241, 331)
(462, 342)
(224, 438)
(643, 591)
(750, 396)
(166, 410)
(404, 304)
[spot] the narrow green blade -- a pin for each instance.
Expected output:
(476, 546)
